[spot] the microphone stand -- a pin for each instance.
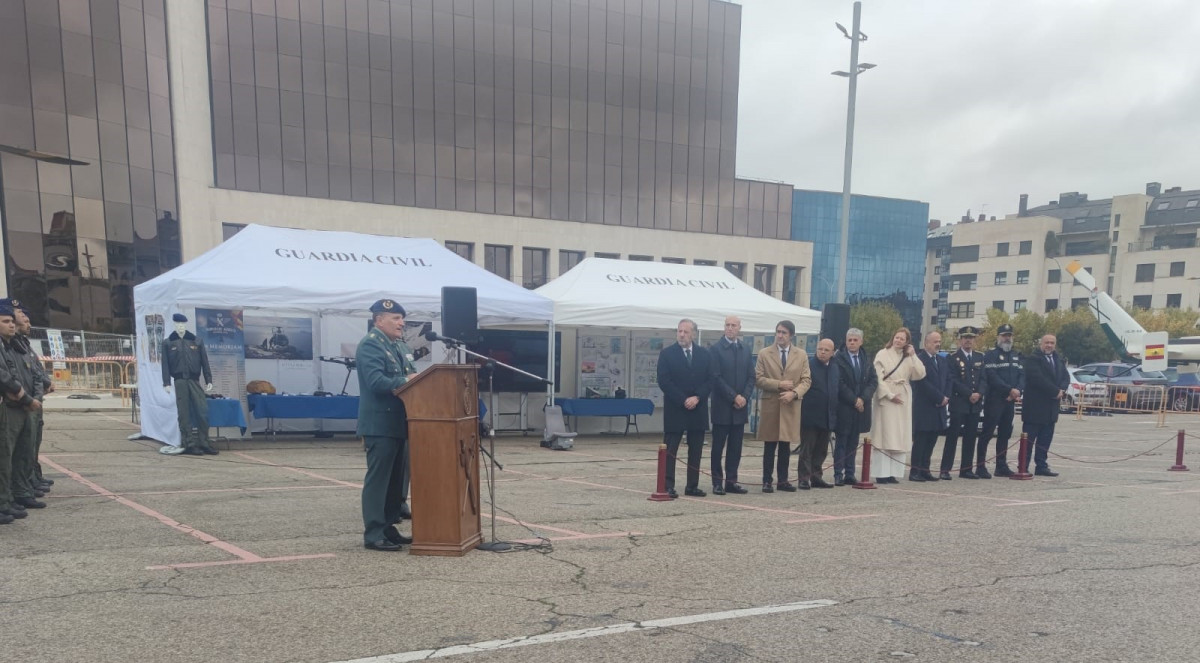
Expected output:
(489, 365)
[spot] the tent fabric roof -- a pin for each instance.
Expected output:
(337, 272)
(601, 292)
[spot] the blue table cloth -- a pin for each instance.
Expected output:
(226, 412)
(276, 406)
(605, 407)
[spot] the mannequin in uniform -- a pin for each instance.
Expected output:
(185, 359)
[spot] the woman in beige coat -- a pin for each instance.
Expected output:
(782, 376)
(891, 435)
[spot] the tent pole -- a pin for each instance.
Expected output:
(550, 363)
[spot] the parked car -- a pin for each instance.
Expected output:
(1128, 386)
(1184, 394)
(1086, 388)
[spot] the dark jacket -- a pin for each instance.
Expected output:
(1004, 372)
(854, 385)
(184, 359)
(1042, 384)
(18, 372)
(968, 378)
(383, 365)
(819, 407)
(733, 375)
(679, 382)
(929, 415)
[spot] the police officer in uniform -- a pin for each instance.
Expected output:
(23, 392)
(41, 485)
(185, 359)
(1005, 384)
(384, 363)
(966, 403)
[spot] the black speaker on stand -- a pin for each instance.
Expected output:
(835, 321)
(460, 316)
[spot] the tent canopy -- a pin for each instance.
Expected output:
(336, 272)
(600, 292)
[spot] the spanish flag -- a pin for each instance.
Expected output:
(1157, 351)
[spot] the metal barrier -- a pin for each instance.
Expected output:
(86, 375)
(1125, 398)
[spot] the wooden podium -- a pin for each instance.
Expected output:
(443, 436)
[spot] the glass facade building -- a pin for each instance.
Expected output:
(886, 249)
(85, 80)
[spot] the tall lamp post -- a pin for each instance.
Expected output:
(855, 36)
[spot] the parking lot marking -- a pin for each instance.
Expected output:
(314, 475)
(611, 629)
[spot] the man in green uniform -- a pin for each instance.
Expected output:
(384, 363)
(185, 359)
(40, 483)
(22, 394)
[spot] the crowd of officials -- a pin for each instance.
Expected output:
(902, 398)
(24, 383)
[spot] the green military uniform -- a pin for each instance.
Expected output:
(36, 417)
(383, 365)
(185, 359)
(18, 425)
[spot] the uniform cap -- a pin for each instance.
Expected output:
(968, 332)
(387, 306)
(1004, 329)
(179, 317)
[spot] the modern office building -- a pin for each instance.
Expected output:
(524, 134)
(886, 249)
(1141, 248)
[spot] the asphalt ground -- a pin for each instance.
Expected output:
(256, 555)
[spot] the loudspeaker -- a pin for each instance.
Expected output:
(460, 318)
(835, 321)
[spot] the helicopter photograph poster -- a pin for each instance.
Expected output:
(269, 337)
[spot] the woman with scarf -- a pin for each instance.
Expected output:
(891, 435)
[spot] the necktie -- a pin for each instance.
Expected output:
(783, 358)
(1050, 358)
(688, 354)
(854, 359)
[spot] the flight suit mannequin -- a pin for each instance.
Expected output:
(185, 360)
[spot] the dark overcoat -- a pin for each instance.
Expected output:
(733, 376)
(929, 415)
(1042, 384)
(679, 382)
(854, 385)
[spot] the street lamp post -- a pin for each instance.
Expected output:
(855, 36)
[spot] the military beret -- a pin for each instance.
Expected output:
(179, 317)
(11, 302)
(1004, 329)
(387, 306)
(7, 310)
(968, 331)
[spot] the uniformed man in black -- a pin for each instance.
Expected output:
(966, 404)
(22, 396)
(1005, 383)
(21, 343)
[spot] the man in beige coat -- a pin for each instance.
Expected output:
(783, 378)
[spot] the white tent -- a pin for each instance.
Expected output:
(319, 273)
(600, 292)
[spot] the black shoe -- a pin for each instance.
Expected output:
(734, 488)
(211, 451)
(396, 537)
(49, 482)
(694, 492)
(803, 485)
(384, 545)
(945, 476)
(1002, 471)
(718, 490)
(838, 481)
(6, 519)
(30, 503)
(767, 488)
(786, 487)
(15, 512)
(672, 494)
(929, 476)
(820, 483)
(1045, 471)
(966, 474)
(887, 480)
(982, 472)
(405, 512)
(37, 493)
(851, 480)
(916, 476)
(192, 451)
(44, 487)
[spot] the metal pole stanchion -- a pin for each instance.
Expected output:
(661, 494)
(865, 483)
(1179, 466)
(1022, 473)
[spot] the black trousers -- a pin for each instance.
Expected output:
(695, 442)
(964, 426)
(997, 422)
(845, 448)
(814, 448)
(726, 452)
(776, 454)
(922, 454)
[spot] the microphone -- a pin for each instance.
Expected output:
(432, 336)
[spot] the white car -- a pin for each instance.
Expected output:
(1083, 386)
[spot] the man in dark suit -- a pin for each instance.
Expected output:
(818, 417)
(856, 372)
(733, 383)
(384, 364)
(685, 375)
(966, 405)
(1046, 379)
(930, 407)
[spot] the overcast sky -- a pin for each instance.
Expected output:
(975, 102)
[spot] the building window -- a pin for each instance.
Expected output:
(791, 283)
(498, 260)
(1022, 276)
(738, 269)
(1002, 249)
(1163, 205)
(230, 229)
(535, 265)
(937, 286)
(764, 278)
(1051, 305)
(1192, 203)
(1054, 276)
(933, 320)
(1026, 247)
(1001, 278)
(1141, 301)
(998, 304)
(1116, 235)
(675, 261)
(1079, 302)
(1019, 305)
(567, 260)
(465, 250)
(641, 258)
(1116, 220)
(1110, 284)
(705, 263)
(937, 269)
(1112, 254)
(1145, 273)
(964, 253)
(1177, 269)
(962, 310)
(1175, 301)
(610, 256)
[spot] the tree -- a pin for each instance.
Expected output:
(987, 335)
(1051, 244)
(1176, 322)
(1080, 338)
(878, 321)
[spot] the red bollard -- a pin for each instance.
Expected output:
(865, 483)
(661, 494)
(1023, 460)
(1179, 466)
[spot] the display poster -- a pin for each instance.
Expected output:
(224, 337)
(279, 338)
(58, 351)
(646, 348)
(602, 366)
